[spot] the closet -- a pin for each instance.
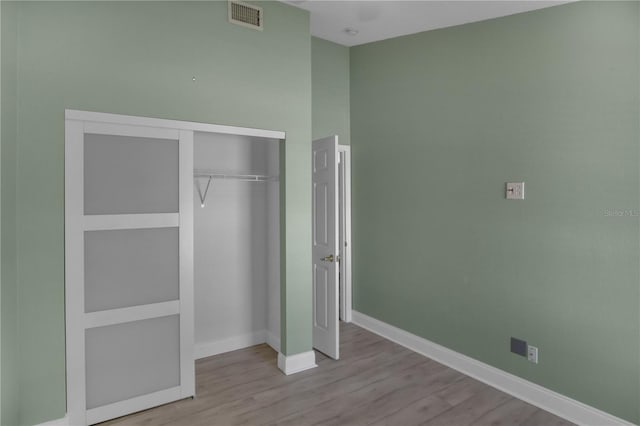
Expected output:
(236, 242)
(172, 253)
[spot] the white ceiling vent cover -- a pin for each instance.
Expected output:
(245, 14)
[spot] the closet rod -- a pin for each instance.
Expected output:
(212, 174)
(243, 177)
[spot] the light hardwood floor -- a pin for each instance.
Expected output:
(376, 382)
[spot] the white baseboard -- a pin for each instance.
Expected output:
(534, 394)
(273, 340)
(206, 349)
(296, 363)
(58, 422)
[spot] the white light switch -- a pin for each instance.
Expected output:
(515, 190)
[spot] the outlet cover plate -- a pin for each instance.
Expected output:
(532, 354)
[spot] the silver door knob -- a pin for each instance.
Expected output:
(327, 258)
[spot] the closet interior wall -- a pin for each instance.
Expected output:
(236, 244)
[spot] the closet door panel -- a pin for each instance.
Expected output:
(130, 175)
(131, 359)
(131, 267)
(128, 268)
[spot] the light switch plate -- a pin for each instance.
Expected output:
(515, 191)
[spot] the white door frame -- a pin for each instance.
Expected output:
(77, 123)
(344, 152)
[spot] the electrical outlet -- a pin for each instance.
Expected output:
(532, 354)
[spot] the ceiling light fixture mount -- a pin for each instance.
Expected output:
(351, 31)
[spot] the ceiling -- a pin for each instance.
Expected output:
(379, 20)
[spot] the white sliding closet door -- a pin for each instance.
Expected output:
(129, 268)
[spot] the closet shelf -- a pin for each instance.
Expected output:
(215, 174)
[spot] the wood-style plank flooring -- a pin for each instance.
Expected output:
(376, 382)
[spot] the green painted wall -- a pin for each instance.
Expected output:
(330, 90)
(440, 121)
(139, 58)
(8, 291)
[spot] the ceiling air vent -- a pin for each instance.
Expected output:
(245, 14)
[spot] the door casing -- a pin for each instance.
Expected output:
(344, 169)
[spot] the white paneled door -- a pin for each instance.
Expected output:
(325, 246)
(128, 268)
